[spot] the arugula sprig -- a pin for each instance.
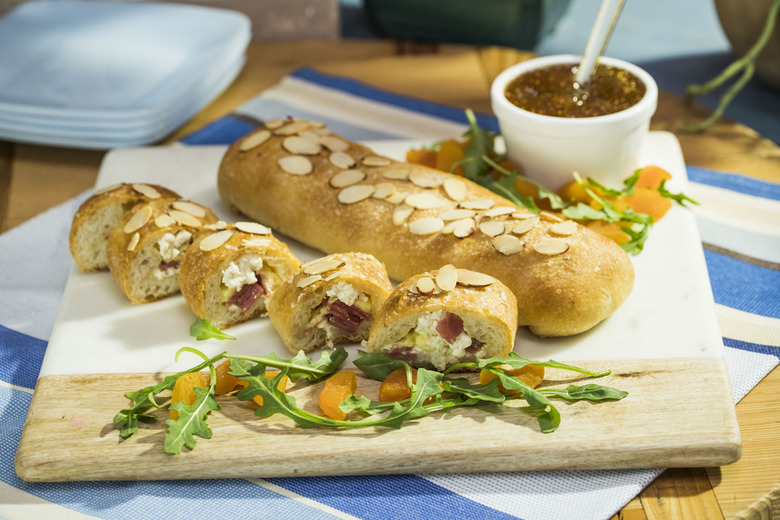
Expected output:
(431, 391)
(191, 420)
(481, 162)
(202, 330)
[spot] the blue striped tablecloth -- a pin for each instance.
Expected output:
(739, 220)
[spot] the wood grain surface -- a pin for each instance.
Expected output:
(32, 180)
(678, 413)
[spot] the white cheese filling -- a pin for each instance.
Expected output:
(242, 272)
(430, 346)
(171, 245)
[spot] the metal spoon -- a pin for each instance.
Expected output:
(607, 17)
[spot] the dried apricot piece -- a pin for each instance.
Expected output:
(650, 202)
(450, 153)
(338, 387)
(184, 389)
(225, 382)
(424, 157)
(651, 177)
(532, 375)
(395, 387)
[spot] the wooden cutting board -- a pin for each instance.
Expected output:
(679, 413)
(663, 346)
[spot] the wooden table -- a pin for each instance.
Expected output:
(35, 178)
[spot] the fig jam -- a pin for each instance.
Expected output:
(554, 91)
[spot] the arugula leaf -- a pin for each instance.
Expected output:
(679, 198)
(191, 420)
(480, 145)
(377, 366)
(488, 392)
(300, 365)
(589, 392)
(365, 405)
(548, 416)
(202, 330)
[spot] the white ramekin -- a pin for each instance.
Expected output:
(549, 149)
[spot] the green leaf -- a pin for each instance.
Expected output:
(488, 392)
(679, 198)
(589, 392)
(300, 365)
(479, 146)
(377, 366)
(191, 421)
(548, 416)
(365, 405)
(202, 330)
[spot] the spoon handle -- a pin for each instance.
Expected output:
(599, 36)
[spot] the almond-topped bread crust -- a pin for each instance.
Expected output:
(99, 214)
(416, 219)
(222, 261)
(299, 308)
(145, 247)
(430, 323)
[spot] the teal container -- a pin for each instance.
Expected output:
(519, 24)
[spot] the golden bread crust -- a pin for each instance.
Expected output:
(558, 294)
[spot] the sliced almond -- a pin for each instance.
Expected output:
(464, 227)
(526, 225)
(477, 204)
(356, 193)
(254, 140)
(491, 228)
(401, 213)
(190, 207)
(519, 215)
(311, 136)
(507, 244)
(425, 285)
(133, 242)
(346, 178)
(425, 200)
(551, 246)
(565, 228)
(397, 198)
(296, 144)
(425, 179)
(456, 214)
(163, 221)
(138, 220)
(332, 276)
(398, 174)
(341, 160)
(334, 144)
(256, 242)
(375, 160)
(447, 277)
(455, 189)
(550, 216)
(308, 280)
(274, 123)
(318, 125)
(215, 240)
(384, 190)
(254, 228)
(216, 226)
(147, 191)
(322, 132)
(293, 128)
(322, 265)
(474, 278)
(426, 226)
(185, 219)
(499, 211)
(295, 164)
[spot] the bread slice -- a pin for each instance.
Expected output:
(99, 214)
(227, 275)
(440, 318)
(332, 300)
(145, 247)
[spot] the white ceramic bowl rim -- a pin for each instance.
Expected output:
(632, 116)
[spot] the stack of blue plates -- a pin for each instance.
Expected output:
(103, 75)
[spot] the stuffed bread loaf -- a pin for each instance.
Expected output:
(336, 195)
(228, 274)
(99, 214)
(331, 300)
(440, 318)
(145, 247)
